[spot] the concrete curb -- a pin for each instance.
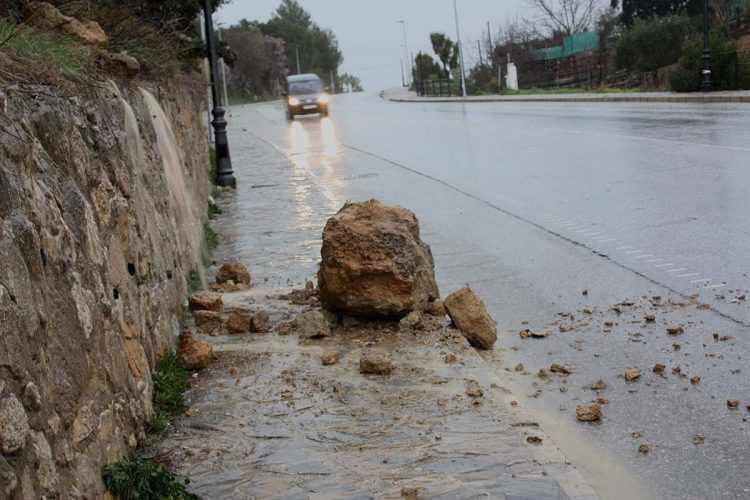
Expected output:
(679, 98)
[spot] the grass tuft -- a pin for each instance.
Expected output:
(141, 478)
(212, 165)
(46, 53)
(194, 281)
(170, 381)
(210, 242)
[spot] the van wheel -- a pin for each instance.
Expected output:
(289, 116)
(324, 114)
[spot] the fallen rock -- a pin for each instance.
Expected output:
(312, 325)
(644, 448)
(192, 353)
(14, 425)
(330, 357)
(260, 322)
(239, 321)
(659, 369)
(375, 363)
(44, 16)
(699, 439)
(374, 264)
(650, 318)
(733, 403)
(467, 311)
(474, 391)
(695, 380)
(411, 321)
(235, 272)
(436, 308)
(590, 413)
(675, 330)
(559, 369)
(599, 385)
(525, 334)
(205, 301)
(535, 440)
(632, 374)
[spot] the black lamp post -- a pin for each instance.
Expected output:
(706, 83)
(224, 174)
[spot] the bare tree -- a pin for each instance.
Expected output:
(565, 16)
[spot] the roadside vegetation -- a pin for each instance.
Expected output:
(628, 44)
(23, 50)
(140, 478)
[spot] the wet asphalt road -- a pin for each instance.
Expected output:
(533, 203)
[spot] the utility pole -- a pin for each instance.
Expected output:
(333, 83)
(460, 51)
(706, 83)
(223, 70)
(490, 49)
(403, 81)
(406, 54)
(224, 174)
(296, 49)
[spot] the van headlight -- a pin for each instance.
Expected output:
(293, 101)
(323, 99)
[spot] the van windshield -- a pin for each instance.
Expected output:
(305, 87)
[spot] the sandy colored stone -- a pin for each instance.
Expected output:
(260, 322)
(235, 272)
(675, 330)
(330, 357)
(436, 308)
(192, 353)
(470, 315)
(588, 413)
(205, 301)
(375, 363)
(45, 17)
(374, 264)
(312, 325)
(632, 374)
(411, 321)
(239, 321)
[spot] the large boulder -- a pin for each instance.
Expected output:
(192, 353)
(234, 272)
(469, 314)
(374, 264)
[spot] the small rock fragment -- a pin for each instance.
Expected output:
(436, 308)
(695, 380)
(525, 334)
(411, 321)
(733, 403)
(450, 358)
(699, 439)
(555, 368)
(14, 425)
(375, 363)
(474, 391)
(409, 493)
(650, 318)
(260, 322)
(599, 385)
(235, 272)
(632, 374)
(519, 367)
(644, 448)
(535, 440)
(330, 357)
(590, 413)
(659, 369)
(312, 325)
(675, 330)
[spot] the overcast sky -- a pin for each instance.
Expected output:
(368, 33)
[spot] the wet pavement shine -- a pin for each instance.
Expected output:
(600, 225)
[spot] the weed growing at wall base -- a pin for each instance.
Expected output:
(170, 381)
(141, 478)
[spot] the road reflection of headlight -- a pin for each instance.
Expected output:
(328, 134)
(323, 99)
(299, 139)
(293, 101)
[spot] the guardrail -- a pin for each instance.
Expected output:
(740, 76)
(437, 88)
